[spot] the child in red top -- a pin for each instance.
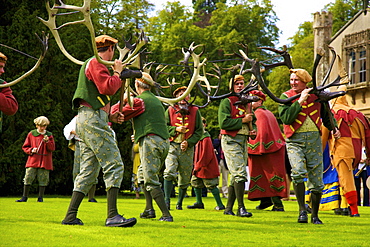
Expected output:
(39, 146)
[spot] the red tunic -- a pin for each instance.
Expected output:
(177, 120)
(8, 103)
(43, 158)
(205, 160)
(99, 74)
(266, 158)
(310, 108)
(237, 111)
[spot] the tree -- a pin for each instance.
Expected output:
(343, 11)
(48, 91)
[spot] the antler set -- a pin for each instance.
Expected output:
(318, 90)
(131, 55)
(44, 42)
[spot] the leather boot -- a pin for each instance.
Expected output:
(230, 201)
(299, 190)
(167, 187)
(315, 199)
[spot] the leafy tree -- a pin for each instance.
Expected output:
(48, 91)
(343, 11)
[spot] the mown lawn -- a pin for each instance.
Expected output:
(39, 224)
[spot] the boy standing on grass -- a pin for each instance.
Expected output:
(39, 146)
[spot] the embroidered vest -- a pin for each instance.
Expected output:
(189, 120)
(88, 91)
(237, 111)
(309, 108)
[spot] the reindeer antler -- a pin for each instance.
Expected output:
(127, 52)
(44, 43)
(196, 74)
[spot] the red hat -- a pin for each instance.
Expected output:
(259, 94)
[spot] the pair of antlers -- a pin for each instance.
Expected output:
(128, 55)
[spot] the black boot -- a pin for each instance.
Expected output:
(278, 204)
(239, 193)
(315, 199)
(300, 193)
(230, 201)
(265, 203)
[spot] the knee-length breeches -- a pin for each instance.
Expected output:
(179, 164)
(305, 156)
(97, 149)
(236, 156)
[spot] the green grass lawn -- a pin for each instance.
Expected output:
(39, 224)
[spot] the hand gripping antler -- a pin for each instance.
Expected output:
(130, 52)
(44, 42)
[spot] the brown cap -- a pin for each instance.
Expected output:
(105, 40)
(3, 58)
(179, 89)
(146, 75)
(236, 78)
(259, 94)
(302, 74)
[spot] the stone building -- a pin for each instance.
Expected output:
(352, 44)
